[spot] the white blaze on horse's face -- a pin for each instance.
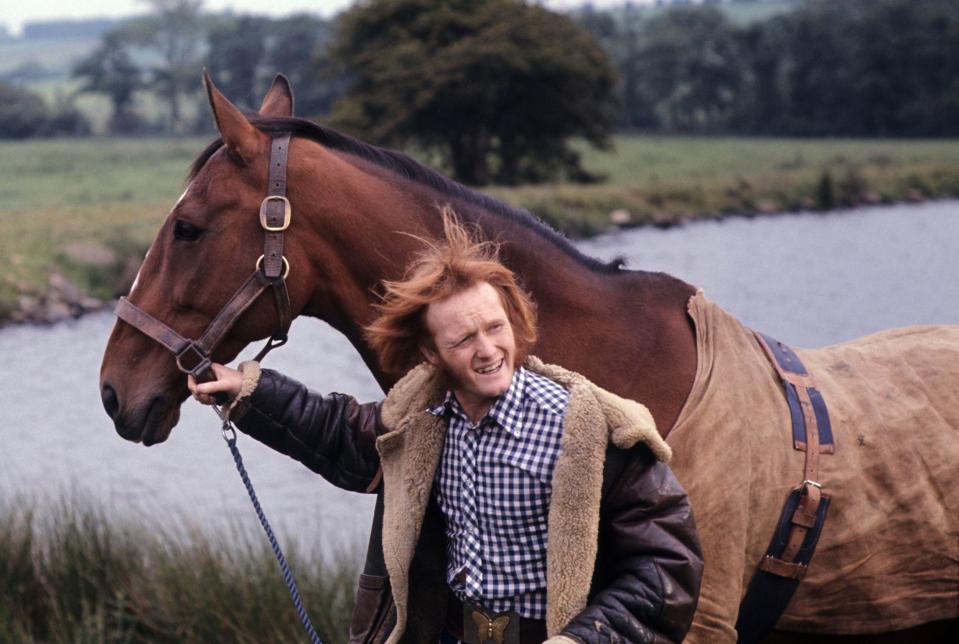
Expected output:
(136, 280)
(183, 196)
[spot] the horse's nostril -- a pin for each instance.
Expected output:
(110, 401)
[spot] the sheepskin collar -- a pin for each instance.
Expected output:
(410, 452)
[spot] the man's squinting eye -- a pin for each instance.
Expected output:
(185, 231)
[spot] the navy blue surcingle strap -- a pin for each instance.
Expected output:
(790, 363)
(800, 524)
(769, 593)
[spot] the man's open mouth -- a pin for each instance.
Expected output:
(491, 369)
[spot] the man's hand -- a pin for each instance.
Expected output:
(228, 381)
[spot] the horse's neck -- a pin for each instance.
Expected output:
(627, 332)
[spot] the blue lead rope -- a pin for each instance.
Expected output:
(229, 435)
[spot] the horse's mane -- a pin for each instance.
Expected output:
(412, 170)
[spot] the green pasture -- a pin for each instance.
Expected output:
(649, 161)
(57, 193)
(114, 193)
(663, 180)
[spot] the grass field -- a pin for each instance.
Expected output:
(664, 180)
(57, 198)
(54, 194)
(72, 575)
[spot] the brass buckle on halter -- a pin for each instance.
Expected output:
(203, 362)
(287, 214)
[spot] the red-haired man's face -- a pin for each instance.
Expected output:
(473, 343)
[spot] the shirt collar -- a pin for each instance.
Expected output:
(445, 406)
(507, 411)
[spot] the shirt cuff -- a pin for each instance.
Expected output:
(251, 378)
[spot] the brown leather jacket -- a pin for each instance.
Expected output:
(645, 581)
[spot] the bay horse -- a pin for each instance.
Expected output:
(357, 213)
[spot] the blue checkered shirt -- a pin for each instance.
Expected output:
(493, 485)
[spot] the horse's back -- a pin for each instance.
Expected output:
(888, 558)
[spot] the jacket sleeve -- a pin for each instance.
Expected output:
(333, 435)
(652, 559)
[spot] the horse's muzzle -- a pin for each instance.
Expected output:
(150, 425)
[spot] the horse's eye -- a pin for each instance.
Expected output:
(185, 231)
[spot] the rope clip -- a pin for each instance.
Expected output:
(229, 434)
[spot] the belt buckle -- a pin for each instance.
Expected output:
(482, 627)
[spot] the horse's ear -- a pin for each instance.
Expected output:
(279, 99)
(238, 134)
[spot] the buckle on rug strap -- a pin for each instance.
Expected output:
(808, 482)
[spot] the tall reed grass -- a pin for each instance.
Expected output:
(72, 574)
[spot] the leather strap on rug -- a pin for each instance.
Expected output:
(801, 522)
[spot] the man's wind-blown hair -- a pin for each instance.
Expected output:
(445, 267)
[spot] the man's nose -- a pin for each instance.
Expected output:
(484, 346)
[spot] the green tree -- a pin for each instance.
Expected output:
(620, 34)
(237, 47)
(110, 70)
(498, 86)
(23, 113)
(298, 47)
(638, 109)
(176, 31)
(858, 67)
(689, 64)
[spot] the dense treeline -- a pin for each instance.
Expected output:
(852, 68)
(162, 53)
(156, 59)
(820, 67)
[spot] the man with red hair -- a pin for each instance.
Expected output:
(521, 503)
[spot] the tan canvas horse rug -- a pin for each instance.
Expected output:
(888, 557)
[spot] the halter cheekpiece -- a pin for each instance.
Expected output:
(272, 268)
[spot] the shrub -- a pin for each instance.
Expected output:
(22, 113)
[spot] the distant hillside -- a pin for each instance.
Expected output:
(48, 49)
(740, 12)
(89, 28)
(38, 59)
(747, 13)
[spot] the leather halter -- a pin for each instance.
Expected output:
(194, 356)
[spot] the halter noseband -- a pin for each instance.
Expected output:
(272, 268)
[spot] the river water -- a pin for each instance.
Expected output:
(807, 279)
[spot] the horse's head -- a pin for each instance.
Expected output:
(207, 247)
